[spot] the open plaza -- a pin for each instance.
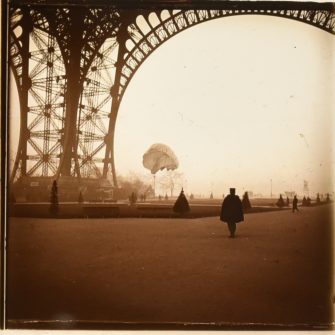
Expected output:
(177, 273)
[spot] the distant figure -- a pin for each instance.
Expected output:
(308, 201)
(133, 198)
(80, 198)
(287, 201)
(304, 201)
(318, 201)
(327, 198)
(166, 197)
(280, 203)
(54, 205)
(232, 211)
(295, 204)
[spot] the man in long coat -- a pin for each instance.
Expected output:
(232, 211)
(295, 204)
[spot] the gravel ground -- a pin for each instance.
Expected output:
(75, 273)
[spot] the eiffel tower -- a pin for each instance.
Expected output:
(73, 61)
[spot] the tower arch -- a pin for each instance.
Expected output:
(150, 29)
(99, 48)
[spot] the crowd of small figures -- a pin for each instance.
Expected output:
(306, 201)
(181, 205)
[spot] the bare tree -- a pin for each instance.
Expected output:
(135, 183)
(170, 180)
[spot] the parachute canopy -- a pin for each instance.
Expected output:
(158, 157)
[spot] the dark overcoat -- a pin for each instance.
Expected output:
(232, 210)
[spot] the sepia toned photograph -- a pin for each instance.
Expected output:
(168, 164)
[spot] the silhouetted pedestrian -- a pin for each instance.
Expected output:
(327, 198)
(318, 201)
(295, 204)
(232, 211)
(80, 198)
(54, 206)
(133, 198)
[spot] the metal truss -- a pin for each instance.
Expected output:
(72, 66)
(40, 77)
(55, 67)
(94, 110)
(150, 29)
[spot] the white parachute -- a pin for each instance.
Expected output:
(159, 157)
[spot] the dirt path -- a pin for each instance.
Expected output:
(276, 272)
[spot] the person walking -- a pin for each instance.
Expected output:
(295, 204)
(232, 211)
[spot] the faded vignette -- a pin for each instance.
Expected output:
(233, 102)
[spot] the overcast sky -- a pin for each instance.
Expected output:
(241, 101)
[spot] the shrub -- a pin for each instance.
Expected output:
(181, 205)
(280, 203)
(245, 201)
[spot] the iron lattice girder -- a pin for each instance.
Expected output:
(35, 67)
(94, 24)
(178, 4)
(100, 20)
(144, 43)
(162, 24)
(80, 32)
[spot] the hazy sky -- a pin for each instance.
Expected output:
(241, 101)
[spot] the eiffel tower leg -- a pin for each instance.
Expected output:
(109, 153)
(23, 97)
(74, 89)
